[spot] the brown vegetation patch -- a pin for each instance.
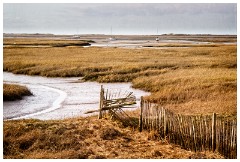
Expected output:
(14, 92)
(109, 134)
(33, 42)
(83, 138)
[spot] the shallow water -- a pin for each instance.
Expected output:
(58, 98)
(140, 44)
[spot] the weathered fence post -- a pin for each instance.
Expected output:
(140, 117)
(214, 132)
(194, 133)
(101, 102)
(164, 122)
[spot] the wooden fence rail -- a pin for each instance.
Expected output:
(112, 104)
(197, 133)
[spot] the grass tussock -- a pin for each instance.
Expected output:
(85, 138)
(193, 79)
(14, 92)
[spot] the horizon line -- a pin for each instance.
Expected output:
(36, 33)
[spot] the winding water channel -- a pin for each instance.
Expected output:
(58, 98)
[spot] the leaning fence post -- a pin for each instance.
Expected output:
(214, 132)
(140, 117)
(101, 102)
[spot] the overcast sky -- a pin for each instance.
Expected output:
(124, 18)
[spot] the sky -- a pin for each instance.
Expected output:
(123, 18)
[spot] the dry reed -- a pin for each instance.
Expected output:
(14, 92)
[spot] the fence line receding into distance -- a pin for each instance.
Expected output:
(197, 133)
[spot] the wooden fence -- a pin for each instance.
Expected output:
(197, 133)
(112, 104)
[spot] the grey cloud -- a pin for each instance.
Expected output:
(130, 18)
(153, 9)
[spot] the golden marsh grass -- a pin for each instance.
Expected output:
(195, 79)
(26, 42)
